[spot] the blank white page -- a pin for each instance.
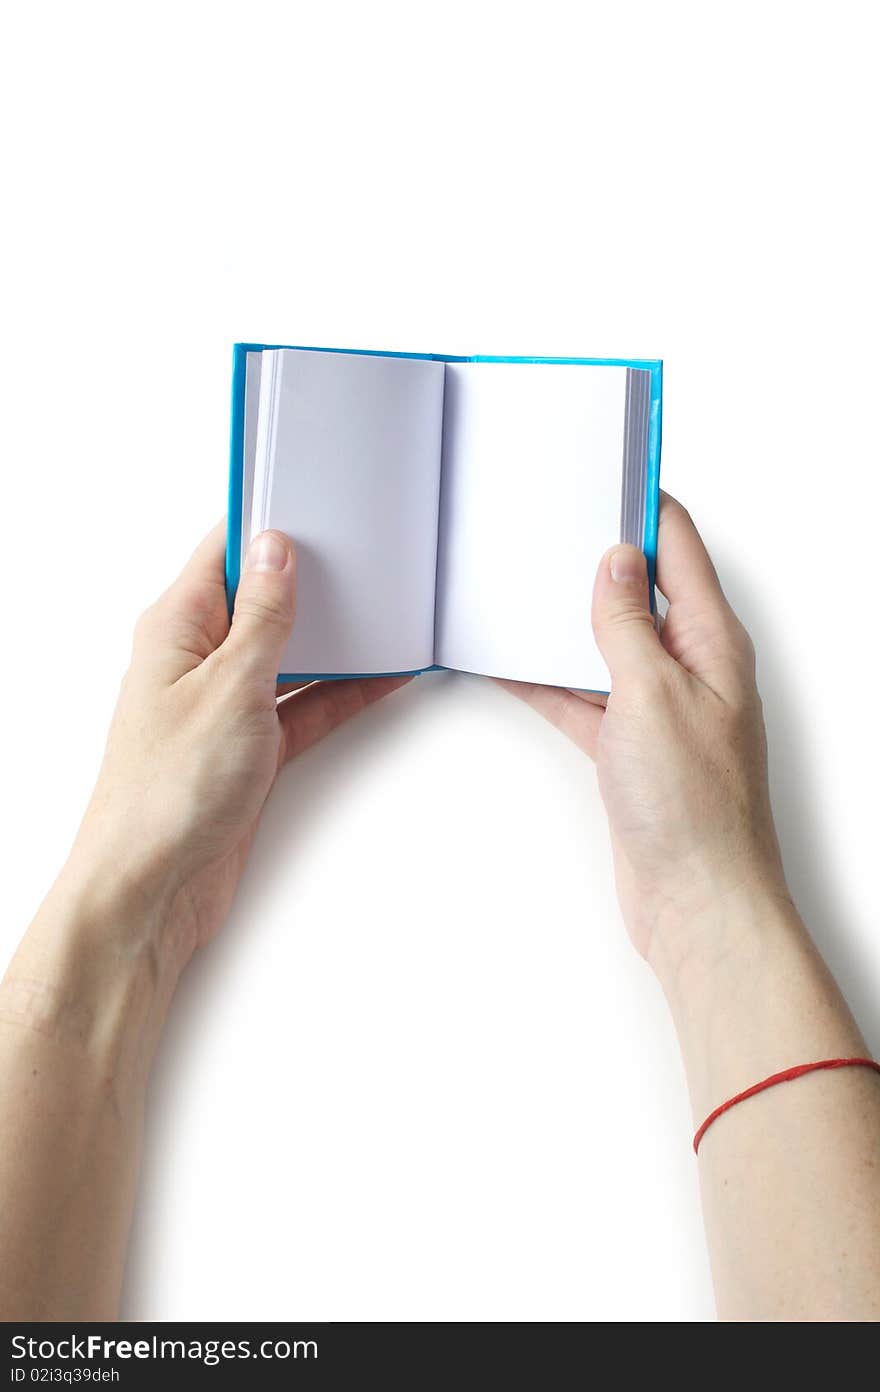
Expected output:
(530, 499)
(348, 464)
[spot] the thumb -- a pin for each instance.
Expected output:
(265, 603)
(622, 618)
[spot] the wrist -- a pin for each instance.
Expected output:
(95, 971)
(748, 992)
(716, 922)
(116, 857)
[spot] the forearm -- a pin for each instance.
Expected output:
(791, 1177)
(81, 1010)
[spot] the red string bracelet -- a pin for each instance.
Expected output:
(785, 1076)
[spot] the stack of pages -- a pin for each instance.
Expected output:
(446, 512)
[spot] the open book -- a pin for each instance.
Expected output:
(447, 512)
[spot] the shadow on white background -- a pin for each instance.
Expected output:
(430, 1086)
(277, 1066)
(810, 830)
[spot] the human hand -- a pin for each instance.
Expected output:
(679, 746)
(200, 733)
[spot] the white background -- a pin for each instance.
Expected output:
(421, 1073)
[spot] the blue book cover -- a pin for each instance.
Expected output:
(465, 405)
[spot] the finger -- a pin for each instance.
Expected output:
(700, 630)
(190, 619)
(198, 595)
(622, 618)
(308, 717)
(685, 572)
(286, 688)
(579, 720)
(207, 564)
(265, 604)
